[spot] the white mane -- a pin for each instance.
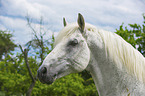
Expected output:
(121, 52)
(124, 53)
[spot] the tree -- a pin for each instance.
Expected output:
(135, 35)
(6, 43)
(39, 43)
(25, 54)
(26, 65)
(85, 84)
(14, 77)
(70, 85)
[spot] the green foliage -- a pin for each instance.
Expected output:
(135, 35)
(15, 79)
(10, 79)
(71, 85)
(6, 43)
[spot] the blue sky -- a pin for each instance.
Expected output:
(104, 14)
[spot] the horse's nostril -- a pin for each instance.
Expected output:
(44, 70)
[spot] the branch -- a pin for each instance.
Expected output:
(34, 31)
(21, 48)
(25, 53)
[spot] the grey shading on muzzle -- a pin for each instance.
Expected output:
(44, 77)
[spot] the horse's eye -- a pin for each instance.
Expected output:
(73, 42)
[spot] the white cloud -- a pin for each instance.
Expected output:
(12, 23)
(21, 31)
(106, 14)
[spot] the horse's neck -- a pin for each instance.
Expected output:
(109, 80)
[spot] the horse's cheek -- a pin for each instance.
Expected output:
(84, 57)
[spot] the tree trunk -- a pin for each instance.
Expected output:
(25, 53)
(30, 89)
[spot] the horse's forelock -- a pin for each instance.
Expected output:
(70, 29)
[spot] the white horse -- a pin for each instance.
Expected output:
(116, 67)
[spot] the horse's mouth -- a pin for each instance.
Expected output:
(47, 79)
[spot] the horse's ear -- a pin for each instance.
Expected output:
(81, 22)
(64, 22)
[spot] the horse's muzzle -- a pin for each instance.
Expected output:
(43, 76)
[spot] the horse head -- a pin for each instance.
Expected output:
(70, 54)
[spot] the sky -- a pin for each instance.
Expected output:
(104, 14)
